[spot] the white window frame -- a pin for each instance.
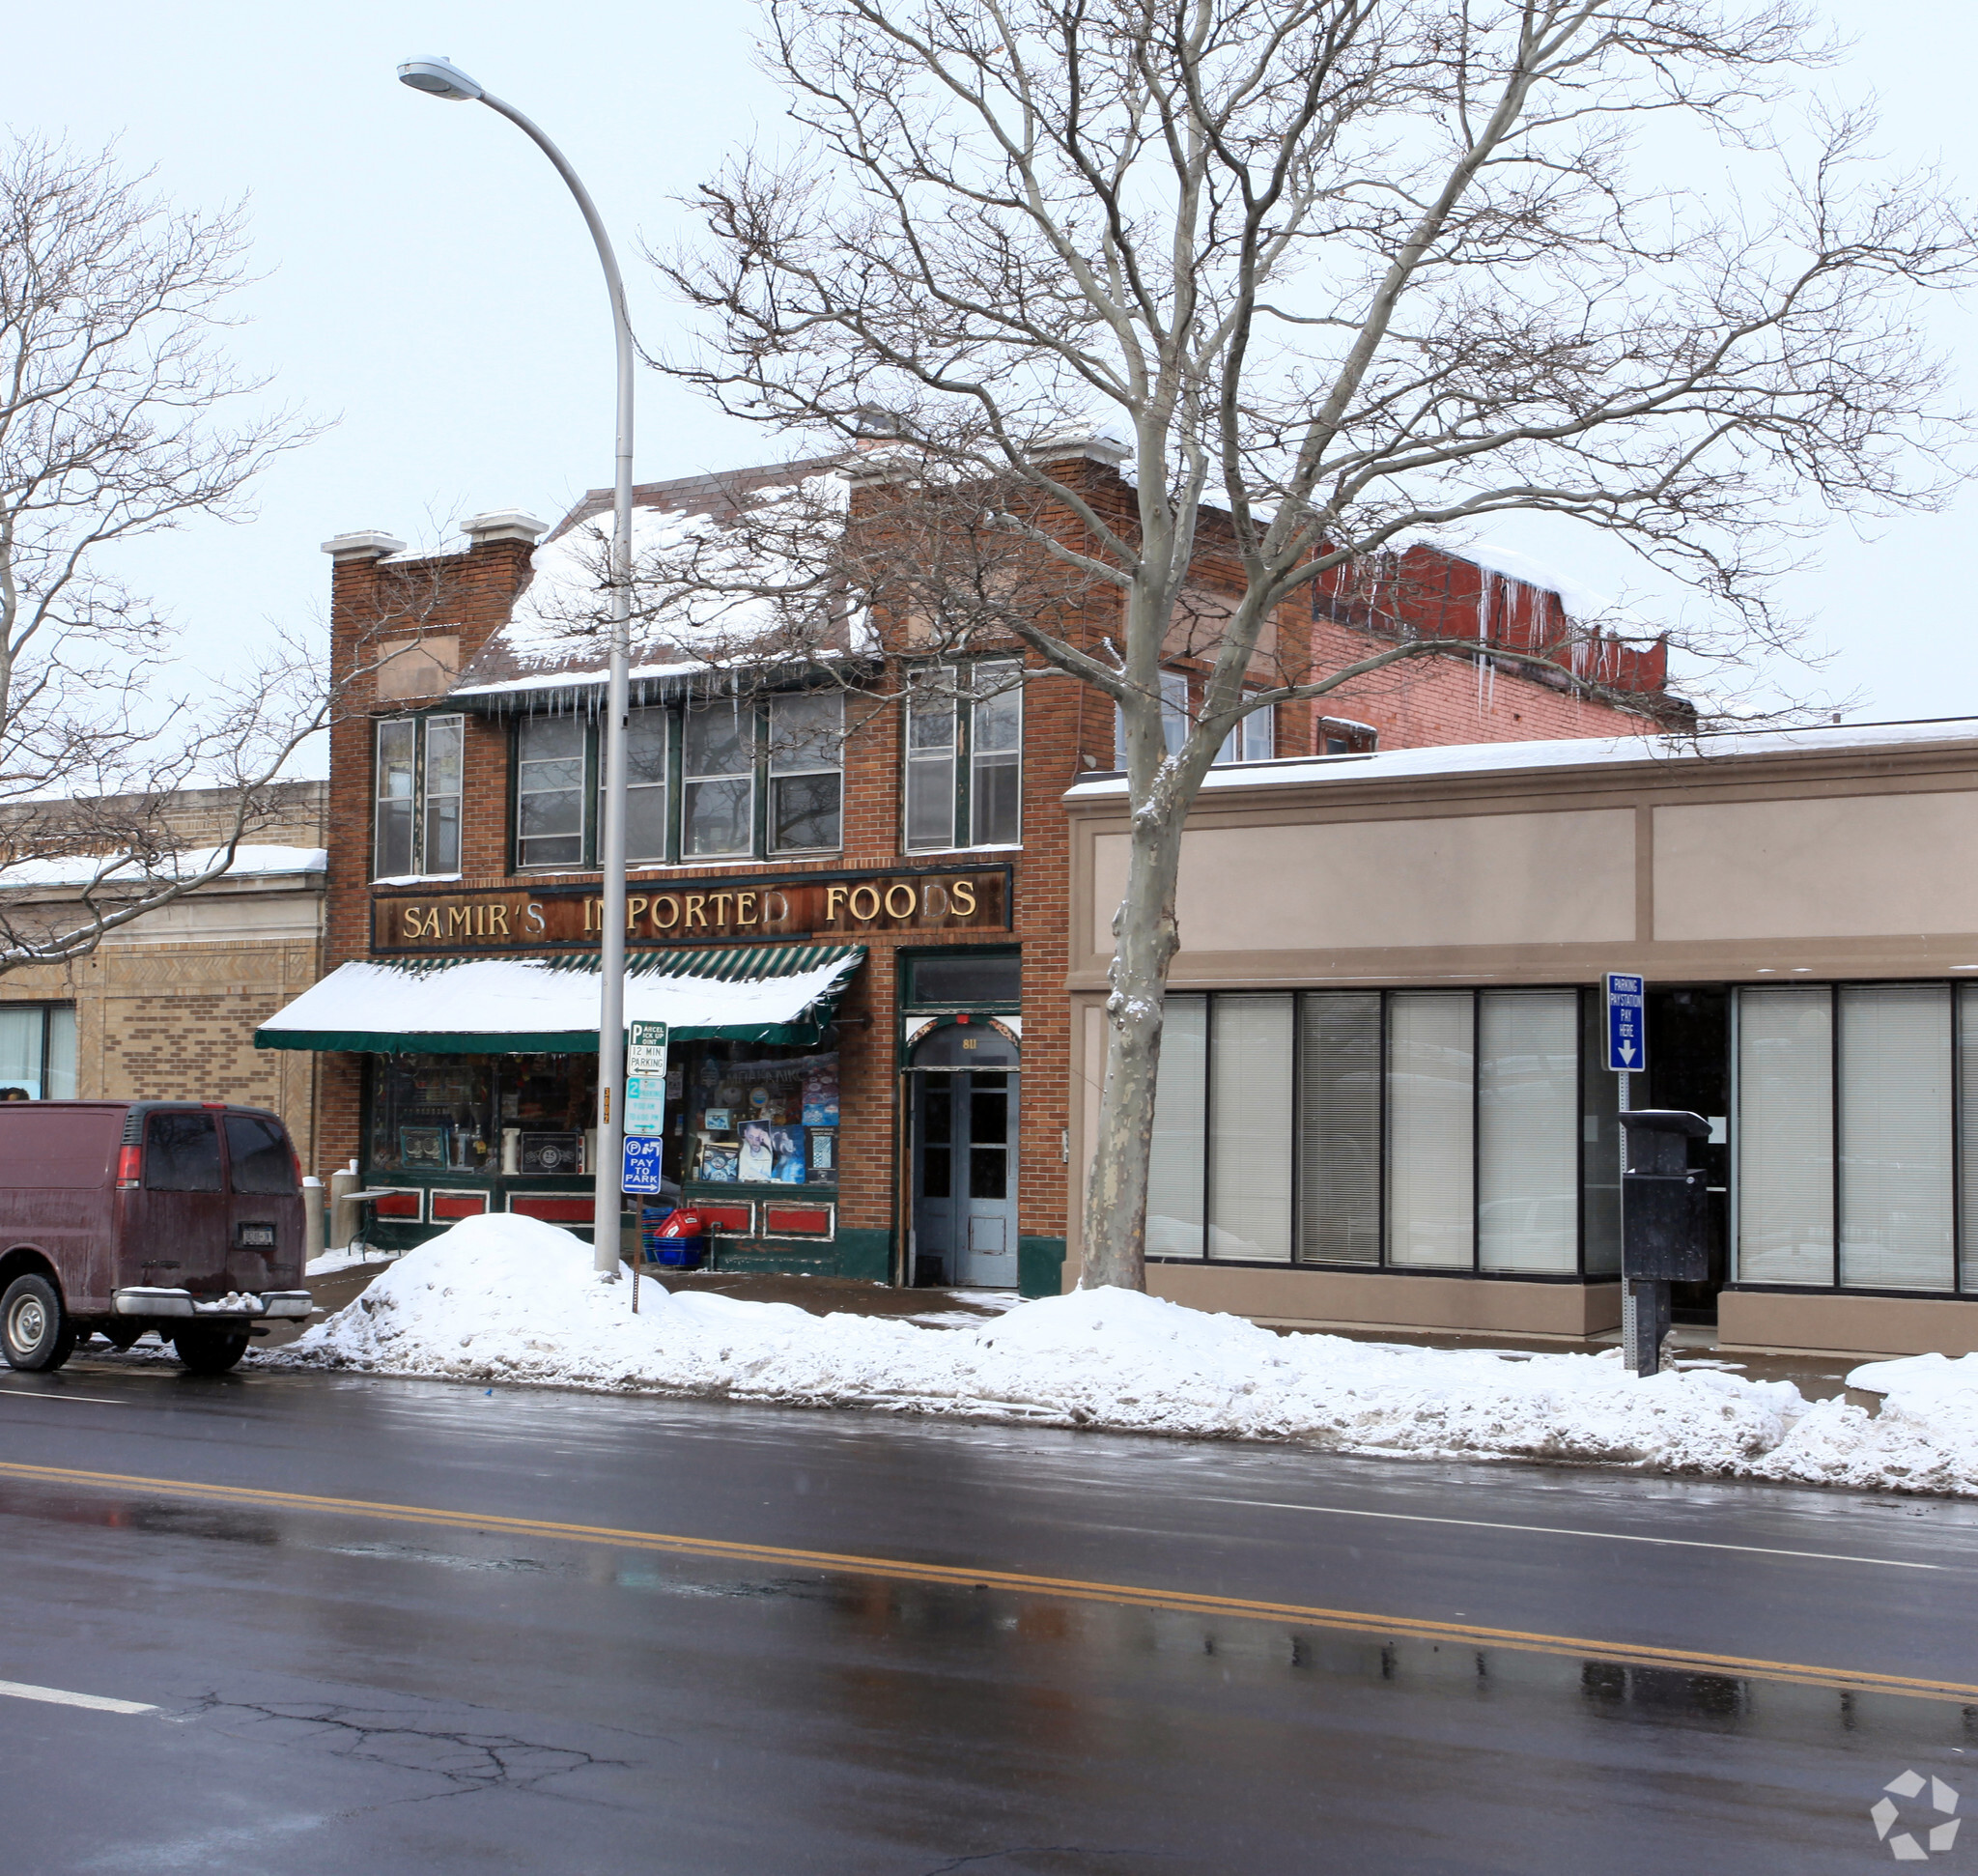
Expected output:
(522, 765)
(803, 757)
(422, 799)
(959, 686)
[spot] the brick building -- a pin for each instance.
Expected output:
(165, 1006)
(849, 885)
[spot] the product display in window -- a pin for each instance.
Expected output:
(480, 1112)
(752, 1116)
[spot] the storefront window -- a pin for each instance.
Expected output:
(755, 1115)
(522, 1115)
(38, 1051)
(1429, 1130)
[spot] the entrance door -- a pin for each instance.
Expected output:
(964, 1161)
(1689, 1066)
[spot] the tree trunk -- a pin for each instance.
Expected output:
(1144, 939)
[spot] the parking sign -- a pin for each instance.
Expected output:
(1627, 1035)
(642, 1164)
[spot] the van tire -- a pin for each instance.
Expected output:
(35, 1333)
(208, 1351)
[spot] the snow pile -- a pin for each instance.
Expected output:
(511, 1299)
(136, 870)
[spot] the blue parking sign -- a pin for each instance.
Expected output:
(1627, 1034)
(642, 1164)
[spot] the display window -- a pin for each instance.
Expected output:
(744, 1114)
(513, 1114)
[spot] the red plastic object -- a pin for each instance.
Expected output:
(681, 1223)
(129, 1167)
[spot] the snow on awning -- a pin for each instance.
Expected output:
(537, 1006)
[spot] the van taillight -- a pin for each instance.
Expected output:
(130, 1165)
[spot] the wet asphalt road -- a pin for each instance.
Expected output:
(337, 1690)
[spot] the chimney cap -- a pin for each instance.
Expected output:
(504, 525)
(365, 544)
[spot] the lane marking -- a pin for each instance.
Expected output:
(57, 1696)
(1567, 1530)
(38, 1394)
(1062, 1588)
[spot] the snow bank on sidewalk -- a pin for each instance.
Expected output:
(510, 1299)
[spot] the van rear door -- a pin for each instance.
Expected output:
(182, 1237)
(265, 1229)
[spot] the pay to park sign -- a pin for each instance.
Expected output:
(1627, 1035)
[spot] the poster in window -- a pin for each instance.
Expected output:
(717, 1119)
(823, 1145)
(787, 1145)
(758, 1153)
(422, 1147)
(553, 1152)
(719, 1161)
(821, 1095)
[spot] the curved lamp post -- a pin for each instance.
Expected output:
(439, 78)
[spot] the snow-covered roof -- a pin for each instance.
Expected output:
(1565, 753)
(717, 571)
(115, 870)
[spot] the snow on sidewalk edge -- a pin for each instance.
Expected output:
(507, 1299)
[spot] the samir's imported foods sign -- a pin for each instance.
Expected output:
(838, 905)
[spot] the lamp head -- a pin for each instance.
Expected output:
(439, 78)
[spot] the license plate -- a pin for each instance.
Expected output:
(257, 1238)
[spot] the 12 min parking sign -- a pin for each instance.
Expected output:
(1627, 1035)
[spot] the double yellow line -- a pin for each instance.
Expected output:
(1074, 1589)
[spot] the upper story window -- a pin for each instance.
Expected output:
(417, 830)
(1253, 740)
(964, 738)
(730, 779)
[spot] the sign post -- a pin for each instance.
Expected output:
(1628, 1053)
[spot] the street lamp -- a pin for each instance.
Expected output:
(440, 78)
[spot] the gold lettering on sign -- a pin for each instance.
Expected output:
(594, 915)
(633, 908)
(460, 919)
(745, 908)
(723, 900)
(859, 892)
(672, 905)
(498, 921)
(697, 910)
(409, 923)
(894, 911)
(833, 898)
(965, 898)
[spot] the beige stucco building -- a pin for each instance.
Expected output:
(1384, 1098)
(167, 1006)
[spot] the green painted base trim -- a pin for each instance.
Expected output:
(862, 1256)
(1039, 1266)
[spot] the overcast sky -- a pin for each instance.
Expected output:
(430, 285)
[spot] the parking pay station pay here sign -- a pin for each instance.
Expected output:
(1627, 1036)
(645, 1106)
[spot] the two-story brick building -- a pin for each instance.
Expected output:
(848, 896)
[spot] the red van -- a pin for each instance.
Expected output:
(121, 1216)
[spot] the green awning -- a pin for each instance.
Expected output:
(548, 1005)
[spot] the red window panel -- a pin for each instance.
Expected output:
(396, 1205)
(448, 1205)
(555, 1207)
(795, 1221)
(735, 1220)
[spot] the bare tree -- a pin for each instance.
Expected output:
(112, 394)
(1331, 273)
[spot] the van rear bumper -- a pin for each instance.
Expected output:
(240, 1305)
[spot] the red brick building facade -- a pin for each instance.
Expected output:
(939, 1053)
